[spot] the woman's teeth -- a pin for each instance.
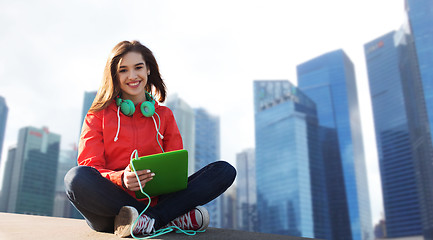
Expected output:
(133, 84)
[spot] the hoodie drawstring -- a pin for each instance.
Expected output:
(118, 124)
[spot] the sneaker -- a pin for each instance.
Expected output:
(126, 218)
(196, 219)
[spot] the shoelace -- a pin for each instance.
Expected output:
(144, 225)
(184, 222)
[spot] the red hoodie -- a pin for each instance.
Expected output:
(98, 149)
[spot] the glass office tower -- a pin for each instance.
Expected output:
(329, 80)
(290, 185)
(402, 133)
(33, 172)
(420, 17)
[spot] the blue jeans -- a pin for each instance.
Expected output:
(99, 200)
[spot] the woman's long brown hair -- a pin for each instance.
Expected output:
(110, 87)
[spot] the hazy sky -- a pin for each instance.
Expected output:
(209, 52)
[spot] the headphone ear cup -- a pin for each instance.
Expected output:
(118, 101)
(147, 109)
(127, 107)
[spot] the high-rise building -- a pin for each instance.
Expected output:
(420, 16)
(286, 156)
(207, 150)
(3, 118)
(184, 116)
(329, 80)
(246, 196)
(402, 134)
(33, 172)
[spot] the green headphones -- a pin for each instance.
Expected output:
(127, 106)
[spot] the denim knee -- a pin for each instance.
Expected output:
(76, 177)
(227, 171)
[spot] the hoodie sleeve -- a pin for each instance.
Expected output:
(172, 139)
(91, 148)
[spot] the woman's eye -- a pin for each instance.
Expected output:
(122, 70)
(139, 67)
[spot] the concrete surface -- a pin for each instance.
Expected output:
(20, 226)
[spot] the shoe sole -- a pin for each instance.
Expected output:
(124, 221)
(205, 215)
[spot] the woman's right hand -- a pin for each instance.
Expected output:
(130, 180)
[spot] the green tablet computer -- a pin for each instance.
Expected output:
(171, 172)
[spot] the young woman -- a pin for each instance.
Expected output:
(102, 186)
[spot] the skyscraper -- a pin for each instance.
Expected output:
(286, 154)
(185, 120)
(420, 16)
(246, 191)
(33, 172)
(402, 133)
(207, 150)
(3, 118)
(329, 80)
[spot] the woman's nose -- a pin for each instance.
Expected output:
(132, 74)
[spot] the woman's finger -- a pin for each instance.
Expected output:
(131, 180)
(136, 187)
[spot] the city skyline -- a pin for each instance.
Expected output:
(194, 47)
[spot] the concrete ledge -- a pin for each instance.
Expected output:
(20, 226)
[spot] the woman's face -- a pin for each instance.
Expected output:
(132, 73)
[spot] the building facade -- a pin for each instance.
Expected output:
(420, 16)
(7, 167)
(329, 80)
(33, 178)
(286, 152)
(207, 150)
(246, 216)
(184, 116)
(207, 138)
(87, 103)
(62, 205)
(3, 118)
